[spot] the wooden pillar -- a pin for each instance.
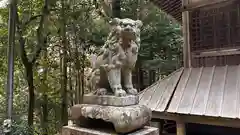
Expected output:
(160, 127)
(181, 129)
(186, 36)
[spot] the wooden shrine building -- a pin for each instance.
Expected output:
(207, 89)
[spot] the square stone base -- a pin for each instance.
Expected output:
(74, 130)
(110, 100)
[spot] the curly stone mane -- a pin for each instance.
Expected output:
(114, 64)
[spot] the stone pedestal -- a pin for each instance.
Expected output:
(107, 115)
(75, 130)
(110, 100)
(113, 106)
(124, 119)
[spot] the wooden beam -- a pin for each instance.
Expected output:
(212, 53)
(205, 3)
(161, 126)
(186, 36)
(206, 120)
(181, 130)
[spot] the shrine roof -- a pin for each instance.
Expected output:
(206, 91)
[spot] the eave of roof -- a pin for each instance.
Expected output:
(157, 96)
(207, 91)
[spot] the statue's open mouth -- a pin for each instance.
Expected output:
(129, 34)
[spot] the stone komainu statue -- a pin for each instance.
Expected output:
(112, 67)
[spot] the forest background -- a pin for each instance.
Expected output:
(53, 41)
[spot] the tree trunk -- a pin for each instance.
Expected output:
(77, 88)
(29, 71)
(141, 9)
(139, 72)
(152, 77)
(79, 79)
(141, 79)
(116, 8)
(151, 72)
(29, 63)
(64, 112)
(70, 75)
(64, 115)
(70, 85)
(11, 49)
(45, 114)
(45, 98)
(82, 75)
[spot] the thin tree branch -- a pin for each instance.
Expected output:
(31, 19)
(40, 39)
(104, 16)
(23, 53)
(39, 49)
(90, 41)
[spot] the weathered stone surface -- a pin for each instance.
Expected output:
(124, 119)
(74, 130)
(112, 67)
(111, 100)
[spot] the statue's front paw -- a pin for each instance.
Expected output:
(135, 50)
(118, 64)
(120, 93)
(132, 91)
(101, 91)
(108, 67)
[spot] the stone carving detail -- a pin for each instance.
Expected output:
(124, 119)
(110, 100)
(116, 59)
(114, 99)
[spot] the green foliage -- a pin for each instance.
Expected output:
(86, 32)
(161, 42)
(20, 128)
